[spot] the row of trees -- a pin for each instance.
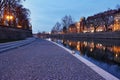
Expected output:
(12, 13)
(63, 25)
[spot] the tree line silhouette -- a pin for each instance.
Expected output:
(13, 14)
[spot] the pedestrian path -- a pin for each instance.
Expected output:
(43, 60)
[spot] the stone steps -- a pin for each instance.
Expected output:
(11, 45)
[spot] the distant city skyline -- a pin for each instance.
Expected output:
(45, 13)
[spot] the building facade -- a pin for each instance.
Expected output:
(116, 26)
(105, 21)
(72, 28)
(102, 22)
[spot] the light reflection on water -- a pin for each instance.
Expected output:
(106, 56)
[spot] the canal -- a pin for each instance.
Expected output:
(102, 52)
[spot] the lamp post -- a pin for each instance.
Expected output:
(9, 13)
(9, 19)
(8, 16)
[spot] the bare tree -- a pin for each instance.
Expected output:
(16, 9)
(9, 4)
(56, 28)
(22, 15)
(66, 21)
(107, 19)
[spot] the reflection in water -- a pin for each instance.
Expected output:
(116, 50)
(97, 51)
(107, 57)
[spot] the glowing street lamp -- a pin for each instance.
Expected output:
(9, 18)
(19, 26)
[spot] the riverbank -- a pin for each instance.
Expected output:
(97, 35)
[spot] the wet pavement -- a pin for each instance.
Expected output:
(43, 60)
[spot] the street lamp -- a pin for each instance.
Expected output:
(9, 18)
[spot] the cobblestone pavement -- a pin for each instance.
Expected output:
(43, 60)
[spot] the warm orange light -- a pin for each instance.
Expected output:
(116, 49)
(70, 43)
(85, 43)
(91, 49)
(78, 45)
(92, 45)
(19, 26)
(99, 46)
(9, 17)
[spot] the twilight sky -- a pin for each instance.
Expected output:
(45, 13)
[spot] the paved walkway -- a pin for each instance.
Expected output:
(43, 60)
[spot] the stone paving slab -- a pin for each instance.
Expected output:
(43, 60)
